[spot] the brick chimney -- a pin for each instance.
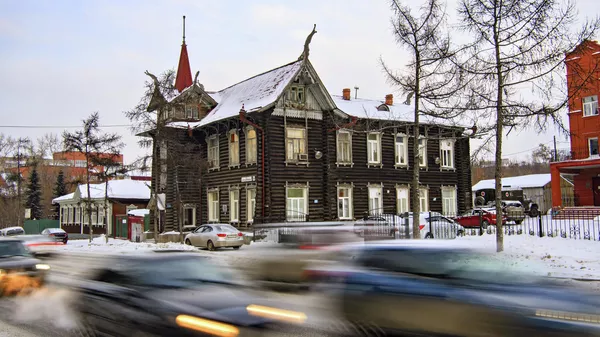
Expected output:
(389, 99)
(346, 94)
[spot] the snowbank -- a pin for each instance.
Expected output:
(99, 244)
(547, 256)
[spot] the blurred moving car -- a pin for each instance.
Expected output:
(472, 218)
(57, 234)
(172, 294)
(215, 236)
(39, 243)
(441, 289)
(12, 231)
(20, 271)
(433, 225)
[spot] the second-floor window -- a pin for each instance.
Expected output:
(251, 146)
(422, 152)
(401, 150)
(234, 148)
(296, 94)
(374, 148)
(296, 144)
(590, 105)
(191, 111)
(344, 147)
(213, 151)
(593, 145)
(447, 153)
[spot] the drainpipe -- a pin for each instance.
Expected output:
(353, 121)
(243, 119)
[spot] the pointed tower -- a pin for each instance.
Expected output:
(184, 73)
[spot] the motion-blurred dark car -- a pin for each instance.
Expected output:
(172, 294)
(58, 234)
(435, 289)
(20, 271)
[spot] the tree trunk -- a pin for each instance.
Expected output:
(499, 123)
(415, 193)
(89, 196)
(179, 205)
(106, 209)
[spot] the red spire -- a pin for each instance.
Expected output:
(184, 72)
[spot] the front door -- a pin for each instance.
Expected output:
(596, 191)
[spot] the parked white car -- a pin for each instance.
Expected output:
(214, 236)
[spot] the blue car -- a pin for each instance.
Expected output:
(434, 288)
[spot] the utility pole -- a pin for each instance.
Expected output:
(555, 151)
(21, 142)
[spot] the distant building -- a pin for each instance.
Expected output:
(584, 124)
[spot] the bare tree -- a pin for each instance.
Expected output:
(94, 145)
(430, 77)
(519, 44)
(48, 144)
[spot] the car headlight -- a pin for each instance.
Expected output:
(42, 266)
(277, 314)
(207, 326)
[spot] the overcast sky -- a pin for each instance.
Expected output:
(62, 60)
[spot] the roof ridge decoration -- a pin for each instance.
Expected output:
(183, 78)
(304, 55)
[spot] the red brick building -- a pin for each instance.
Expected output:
(583, 66)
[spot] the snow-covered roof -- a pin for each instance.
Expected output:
(368, 109)
(256, 94)
(139, 212)
(527, 181)
(117, 189)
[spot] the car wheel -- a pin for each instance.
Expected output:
(428, 236)
(237, 247)
(210, 245)
(485, 224)
(188, 242)
(533, 212)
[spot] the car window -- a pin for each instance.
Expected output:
(207, 229)
(199, 229)
(45, 231)
(15, 232)
(13, 248)
(225, 228)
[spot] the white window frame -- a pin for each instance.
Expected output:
(251, 146)
(402, 199)
(345, 201)
(250, 204)
(375, 189)
(213, 151)
(424, 199)
(449, 201)
(344, 149)
(374, 149)
(194, 215)
(590, 108)
(447, 153)
(297, 94)
(590, 146)
(295, 146)
(401, 149)
(101, 215)
(234, 148)
(296, 214)
(212, 199)
(422, 151)
(234, 206)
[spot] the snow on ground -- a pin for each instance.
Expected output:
(99, 244)
(550, 256)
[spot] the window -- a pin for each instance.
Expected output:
(296, 94)
(80, 163)
(296, 144)
(250, 204)
(449, 200)
(344, 147)
(375, 200)
(345, 203)
(424, 199)
(401, 150)
(251, 146)
(213, 206)
(374, 148)
(296, 203)
(590, 106)
(101, 215)
(189, 216)
(62, 215)
(422, 152)
(234, 206)
(213, 151)
(447, 153)
(402, 200)
(234, 148)
(593, 145)
(191, 111)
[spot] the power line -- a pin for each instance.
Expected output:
(61, 126)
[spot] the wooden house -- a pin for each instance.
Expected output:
(279, 147)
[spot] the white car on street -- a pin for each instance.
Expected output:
(214, 236)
